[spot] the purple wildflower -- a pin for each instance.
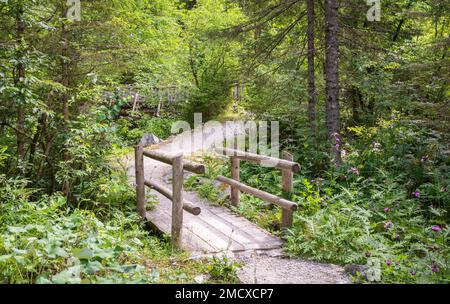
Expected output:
(368, 254)
(416, 194)
(354, 170)
(388, 225)
(434, 268)
(424, 158)
(413, 273)
(396, 263)
(436, 228)
(387, 210)
(388, 262)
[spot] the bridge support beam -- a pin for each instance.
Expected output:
(287, 185)
(177, 200)
(140, 179)
(235, 193)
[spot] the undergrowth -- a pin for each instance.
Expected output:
(387, 209)
(97, 238)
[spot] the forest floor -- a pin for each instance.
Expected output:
(255, 266)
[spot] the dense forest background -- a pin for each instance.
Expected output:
(363, 105)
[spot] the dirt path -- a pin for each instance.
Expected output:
(279, 270)
(257, 267)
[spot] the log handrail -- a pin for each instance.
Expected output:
(179, 204)
(281, 164)
(176, 195)
(187, 205)
(168, 158)
(283, 203)
(287, 166)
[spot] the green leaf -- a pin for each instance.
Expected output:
(16, 229)
(93, 267)
(107, 253)
(5, 258)
(82, 253)
(68, 276)
(54, 250)
(137, 242)
(43, 279)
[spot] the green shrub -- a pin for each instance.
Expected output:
(223, 269)
(387, 207)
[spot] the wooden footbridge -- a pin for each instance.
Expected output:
(197, 226)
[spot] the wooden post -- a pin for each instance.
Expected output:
(287, 184)
(177, 201)
(140, 179)
(235, 193)
(135, 101)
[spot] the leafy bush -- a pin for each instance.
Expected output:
(370, 212)
(130, 132)
(386, 208)
(47, 241)
(223, 269)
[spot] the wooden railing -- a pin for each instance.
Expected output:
(175, 195)
(287, 167)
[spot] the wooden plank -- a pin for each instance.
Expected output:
(202, 230)
(177, 200)
(287, 185)
(211, 233)
(167, 158)
(160, 217)
(140, 179)
(187, 205)
(235, 193)
(285, 204)
(246, 238)
(193, 242)
(241, 226)
(256, 158)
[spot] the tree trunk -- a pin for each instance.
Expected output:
(257, 36)
(356, 98)
(400, 24)
(332, 78)
(311, 76)
(19, 79)
(65, 81)
(64, 71)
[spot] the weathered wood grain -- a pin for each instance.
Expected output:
(187, 205)
(287, 185)
(259, 159)
(177, 200)
(167, 158)
(235, 193)
(140, 179)
(285, 204)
